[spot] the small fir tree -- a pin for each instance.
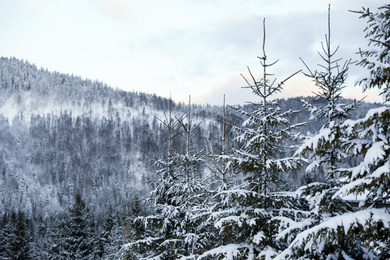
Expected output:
(15, 237)
(75, 237)
(110, 237)
(169, 233)
(324, 148)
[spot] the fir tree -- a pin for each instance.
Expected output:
(362, 234)
(244, 218)
(75, 238)
(262, 134)
(377, 58)
(110, 237)
(324, 147)
(369, 140)
(15, 237)
(325, 153)
(168, 233)
(219, 156)
(23, 237)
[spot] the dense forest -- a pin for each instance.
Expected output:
(92, 172)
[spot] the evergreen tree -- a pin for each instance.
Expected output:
(362, 234)
(369, 140)
(168, 233)
(377, 58)
(246, 217)
(110, 237)
(323, 148)
(15, 237)
(23, 236)
(9, 243)
(76, 237)
(219, 156)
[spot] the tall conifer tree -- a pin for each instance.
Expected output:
(248, 215)
(362, 234)
(323, 149)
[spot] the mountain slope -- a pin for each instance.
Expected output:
(60, 133)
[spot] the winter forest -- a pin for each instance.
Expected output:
(92, 172)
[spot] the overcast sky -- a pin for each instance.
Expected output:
(183, 47)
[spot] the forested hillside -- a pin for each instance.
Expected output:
(61, 135)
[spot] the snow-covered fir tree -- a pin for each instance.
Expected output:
(362, 234)
(169, 233)
(244, 218)
(369, 140)
(75, 237)
(376, 59)
(324, 153)
(110, 240)
(324, 148)
(219, 155)
(15, 237)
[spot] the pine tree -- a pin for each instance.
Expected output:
(377, 58)
(110, 237)
(262, 134)
(188, 162)
(9, 243)
(23, 237)
(214, 197)
(324, 148)
(219, 156)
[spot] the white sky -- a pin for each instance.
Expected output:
(183, 47)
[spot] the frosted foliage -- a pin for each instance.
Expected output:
(377, 59)
(227, 252)
(370, 138)
(316, 240)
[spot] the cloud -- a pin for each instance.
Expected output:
(231, 88)
(184, 47)
(120, 10)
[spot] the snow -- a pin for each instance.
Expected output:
(312, 142)
(375, 152)
(220, 223)
(381, 170)
(230, 252)
(294, 226)
(310, 240)
(267, 254)
(346, 189)
(349, 124)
